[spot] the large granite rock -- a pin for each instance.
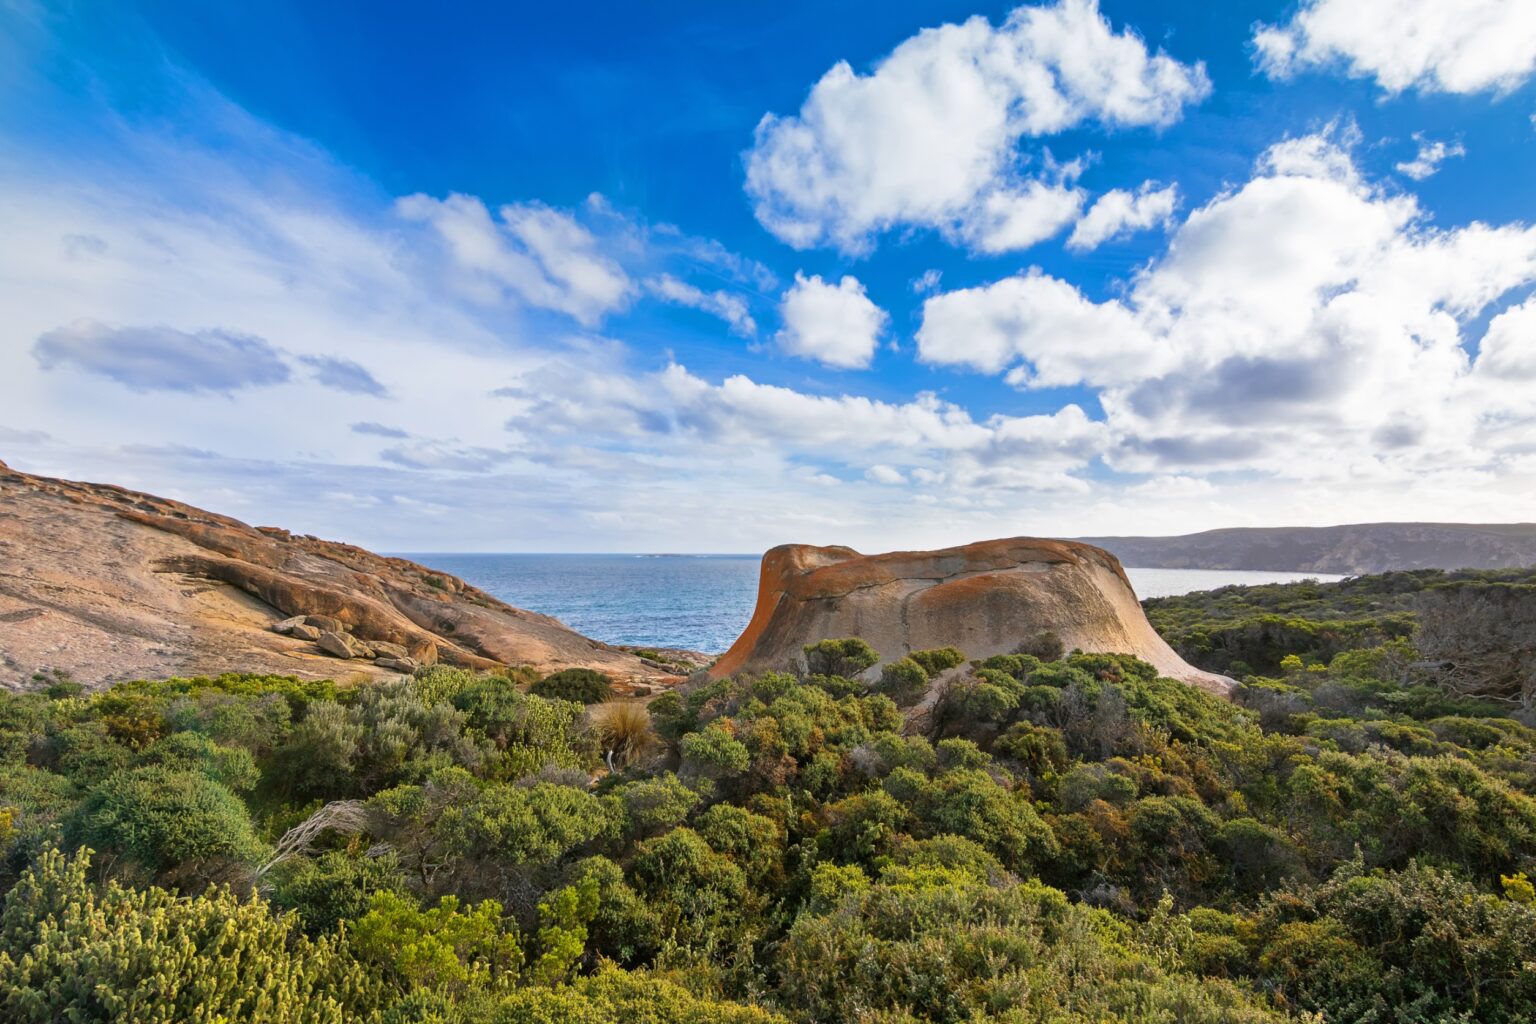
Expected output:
(110, 584)
(985, 598)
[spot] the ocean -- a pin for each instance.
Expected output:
(699, 602)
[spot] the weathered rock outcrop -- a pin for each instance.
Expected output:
(110, 584)
(984, 598)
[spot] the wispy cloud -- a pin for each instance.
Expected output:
(378, 430)
(162, 358)
(344, 375)
(728, 306)
(1430, 156)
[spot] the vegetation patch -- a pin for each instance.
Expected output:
(1052, 838)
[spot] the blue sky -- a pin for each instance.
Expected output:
(714, 277)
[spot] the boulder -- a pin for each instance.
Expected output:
(985, 598)
(397, 664)
(342, 645)
(305, 632)
(325, 623)
(287, 625)
(385, 649)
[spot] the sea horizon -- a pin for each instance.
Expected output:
(700, 601)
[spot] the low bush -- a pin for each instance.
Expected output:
(582, 685)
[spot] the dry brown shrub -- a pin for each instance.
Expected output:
(624, 729)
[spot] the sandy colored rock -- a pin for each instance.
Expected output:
(340, 645)
(984, 598)
(396, 664)
(110, 584)
(305, 632)
(287, 626)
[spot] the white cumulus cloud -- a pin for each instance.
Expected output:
(1452, 46)
(1508, 349)
(1043, 322)
(835, 324)
(1308, 311)
(1119, 212)
(931, 136)
(1011, 219)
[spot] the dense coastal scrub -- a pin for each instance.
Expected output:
(1042, 836)
(1242, 630)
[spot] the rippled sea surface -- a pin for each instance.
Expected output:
(701, 602)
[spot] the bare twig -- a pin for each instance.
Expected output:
(345, 816)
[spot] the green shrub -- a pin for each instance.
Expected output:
(654, 805)
(72, 951)
(85, 753)
(932, 943)
(846, 657)
(335, 887)
(620, 997)
(161, 818)
(317, 759)
(938, 659)
(1045, 645)
(1417, 938)
(714, 754)
(904, 680)
(188, 751)
(582, 685)
(442, 948)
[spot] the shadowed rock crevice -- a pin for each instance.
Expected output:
(985, 598)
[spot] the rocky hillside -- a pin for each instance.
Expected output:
(109, 584)
(1359, 548)
(984, 599)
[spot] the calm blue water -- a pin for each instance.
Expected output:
(701, 602)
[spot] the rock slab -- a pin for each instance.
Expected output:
(110, 584)
(985, 598)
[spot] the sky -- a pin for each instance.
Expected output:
(714, 277)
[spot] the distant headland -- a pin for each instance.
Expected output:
(1346, 550)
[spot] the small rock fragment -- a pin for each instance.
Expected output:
(424, 652)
